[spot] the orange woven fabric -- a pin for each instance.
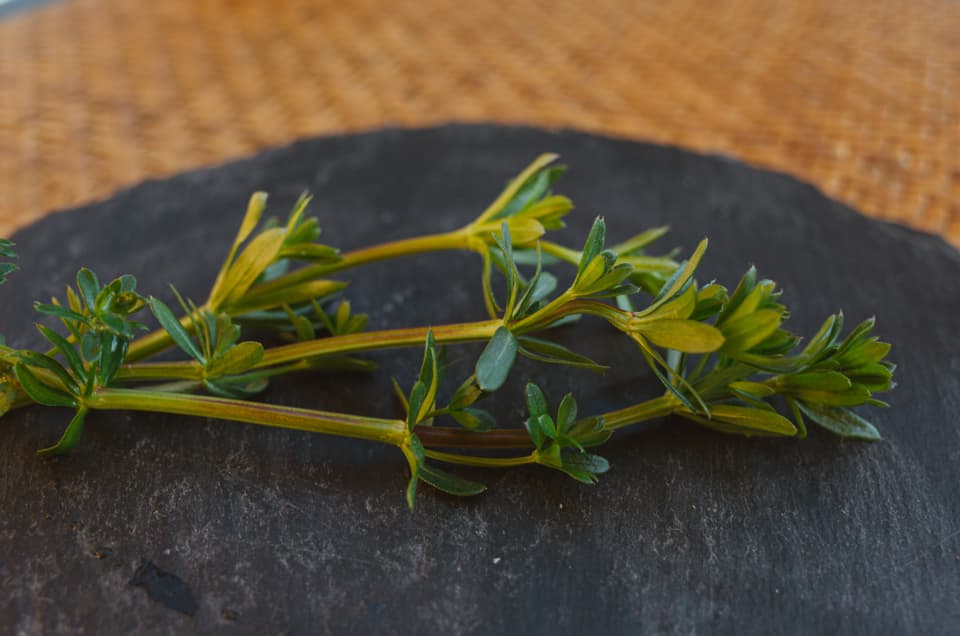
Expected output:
(860, 97)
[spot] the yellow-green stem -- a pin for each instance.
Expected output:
(345, 425)
(371, 340)
(392, 249)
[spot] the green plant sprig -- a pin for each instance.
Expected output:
(724, 358)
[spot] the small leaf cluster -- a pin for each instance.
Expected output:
(420, 405)
(6, 252)
(250, 280)
(526, 205)
(729, 389)
(97, 318)
(600, 272)
(100, 330)
(558, 443)
(216, 348)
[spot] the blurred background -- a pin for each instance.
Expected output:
(860, 98)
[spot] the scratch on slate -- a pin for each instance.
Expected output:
(920, 555)
(164, 587)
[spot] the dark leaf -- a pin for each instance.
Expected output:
(70, 437)
(843, 422)
(449, 483)
(497, 359)
(173, 327)
(40, 392)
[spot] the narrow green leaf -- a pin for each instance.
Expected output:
(43, 361)
(589, 462)
(797, 419)
(250, 264)
(450, 483)
(173, 327)
(754, 419)
(70, 437)
(554, 353)
(755, 390)
(592, 246)
(536, 400)
(5, 270)
(532, 424)
(474, 419)
(89, 287)
(68, 351)
(40, 392)
(113, 349)
(843, 422)
(854, 396)
(515, 185)
(817, 380)
(307, 291)
(566, 413)
(679, 280)
(497, 359)
(415, 403)
(311, 252)
(58, 311)
(466, 394)
(548, 426)
(745, 333)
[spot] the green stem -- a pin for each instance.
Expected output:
(392, 249)
(371, 340)
(483, 462)
(649, 410)
(561, 252)
(368, 428)
(505, 438)
(387, 339)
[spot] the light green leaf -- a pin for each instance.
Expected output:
(591, 249)
(236, 360)
(688, 336)
(566, 413)
(745, 333)
(753, 419)
(250, 264)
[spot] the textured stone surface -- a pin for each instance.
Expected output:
(281, 532)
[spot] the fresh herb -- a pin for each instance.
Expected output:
(724, 358)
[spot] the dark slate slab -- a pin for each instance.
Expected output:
(280, 532)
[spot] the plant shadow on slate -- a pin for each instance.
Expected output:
(690, 530)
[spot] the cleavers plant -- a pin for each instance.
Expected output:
(724, 358)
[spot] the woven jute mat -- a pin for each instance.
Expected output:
(860, 97)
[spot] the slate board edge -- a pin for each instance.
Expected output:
(895, 229)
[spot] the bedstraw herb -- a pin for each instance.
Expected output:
(724, 358)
